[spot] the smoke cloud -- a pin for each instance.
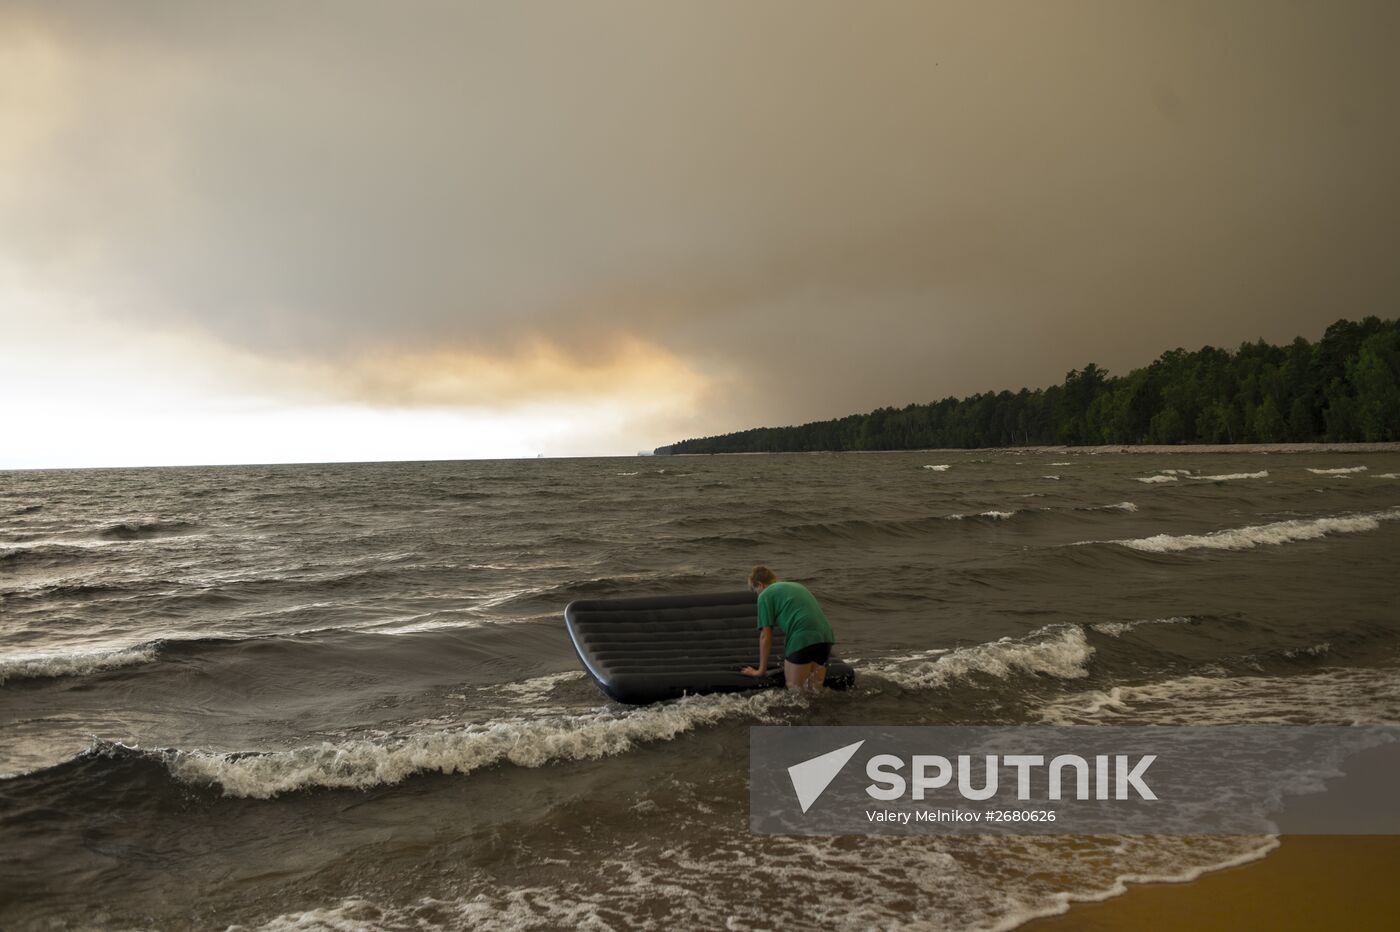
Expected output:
(770, 212)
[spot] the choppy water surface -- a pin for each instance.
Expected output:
(315, 696)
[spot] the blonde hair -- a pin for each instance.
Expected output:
(761, 576)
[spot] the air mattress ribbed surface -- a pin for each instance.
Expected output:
(649, 649)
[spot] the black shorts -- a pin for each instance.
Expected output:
(812, 653)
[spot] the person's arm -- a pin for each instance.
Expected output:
(765, 647)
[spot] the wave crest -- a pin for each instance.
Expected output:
(993, 514)
(142, 529)
(1120, 628)
(1116, 506)
(1331, 696)
(1247, 538)
(1060, 651)
(363, 763)
(1339, 471)
(73, 663)
(43, 554)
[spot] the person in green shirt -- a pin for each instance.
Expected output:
(807, 636)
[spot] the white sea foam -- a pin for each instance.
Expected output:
(944, 468)
(1159, 478)
(700, 871)
(1388, 475)
(1056, 478)
(1062, 464)
(72, 662)
(1262, 474)
(39, 545)
(534, 689)
(1321, 649)
(418, 627)
(1337, 696)
(1251, 848)
(699, 879)
(1118, 506)
(629, 474)
(1247, 538)
(1340, 471)
(1120, 628)
(1175, 472)
(998, 515)
(1060, 651)
(531, 742)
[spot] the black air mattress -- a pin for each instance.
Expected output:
(646, 650)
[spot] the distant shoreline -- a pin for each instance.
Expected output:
(1387, 447)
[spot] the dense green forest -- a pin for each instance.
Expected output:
(1345, 387)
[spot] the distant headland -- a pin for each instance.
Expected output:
(1345, 388)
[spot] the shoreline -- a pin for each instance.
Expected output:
(1060, 449)
(1303, 882)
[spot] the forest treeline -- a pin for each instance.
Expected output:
(1345, 387)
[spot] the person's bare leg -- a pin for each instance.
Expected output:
(816, 677)
(796, 674)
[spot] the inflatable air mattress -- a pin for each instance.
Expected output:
(649, 649)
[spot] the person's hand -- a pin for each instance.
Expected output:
(750, 671)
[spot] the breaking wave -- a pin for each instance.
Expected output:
(1116, 506)
(921, 882)
(1340, 471)
(44, 554)
(1261, 474)
(1060, 651)
(142, 530)
(1247, 538)
(534, 742)
(1337, 696)
(1120, 628)
(73, 663)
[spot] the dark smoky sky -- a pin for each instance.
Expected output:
(821, 207)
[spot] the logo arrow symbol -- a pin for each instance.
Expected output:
(811, 777)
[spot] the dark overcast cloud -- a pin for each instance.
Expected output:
(846, 204)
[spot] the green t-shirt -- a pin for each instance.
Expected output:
(796, 613)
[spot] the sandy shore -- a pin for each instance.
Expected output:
(1308, 882)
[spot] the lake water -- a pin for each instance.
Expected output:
(329, 696)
